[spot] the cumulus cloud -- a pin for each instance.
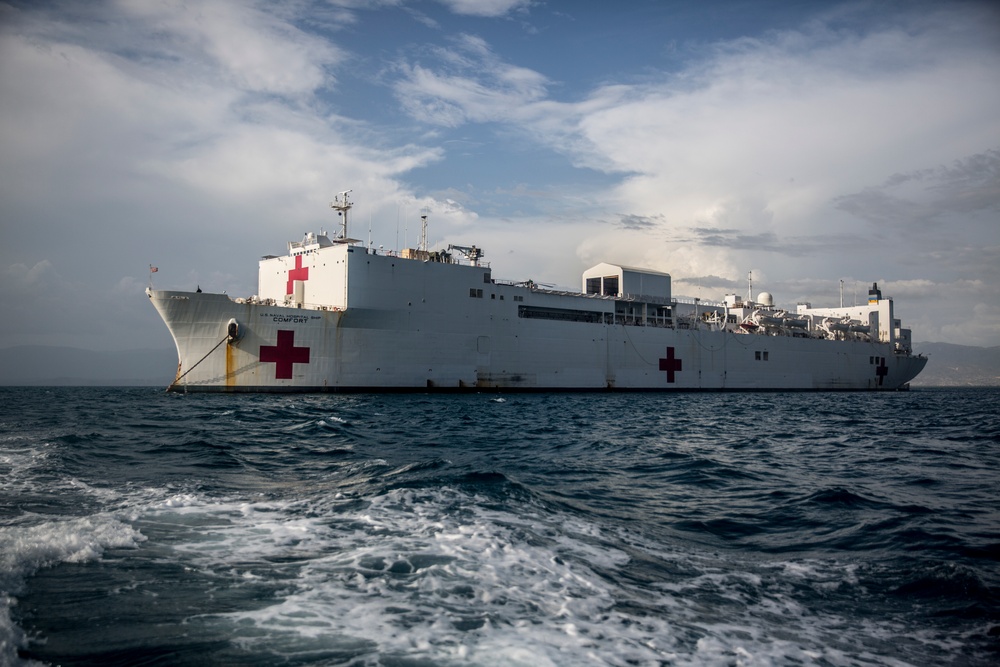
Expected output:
(138, 133)
(21, 277)
(223, 99)
(255, 50)
(470, 84)
(760, 135)
(69, 103)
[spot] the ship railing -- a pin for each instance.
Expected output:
(632, 298)
(694, 301)
(646, 298)
(559, 292)
(436, 256)
(517, 283)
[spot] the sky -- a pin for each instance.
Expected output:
(804, 144)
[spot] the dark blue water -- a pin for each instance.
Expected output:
(138, 527)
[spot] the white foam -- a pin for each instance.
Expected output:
(11, 637)
(18, 458)
(427, 574)
(24, 549)
(446, 576)
(182, 500)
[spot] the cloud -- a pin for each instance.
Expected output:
(486, 8)
(172, 134)
(717, 283)
(770, 130)
(980, 329)
(185, 85)
(470, 84)
(859, 144)
(734, 238)
(970, 185)
(638, 222)
(128, 286)
(22, 278)
(253, 50)
(188, 104)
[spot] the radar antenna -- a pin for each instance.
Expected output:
(472, 253)
(342, 204)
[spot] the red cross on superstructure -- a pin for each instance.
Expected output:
(298, 273)
(284, 354)
(670, 365)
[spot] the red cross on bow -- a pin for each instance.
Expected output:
(284, 354)
(298, 273)
(670, 365)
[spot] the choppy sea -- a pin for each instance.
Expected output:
(144, 528)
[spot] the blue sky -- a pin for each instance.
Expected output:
(807, 142)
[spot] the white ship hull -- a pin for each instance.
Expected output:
(333, 316)
(291, 349)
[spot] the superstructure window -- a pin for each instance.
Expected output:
(611, 286)
(559, 314)
(593, 285)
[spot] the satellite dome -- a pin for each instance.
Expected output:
(765, 299)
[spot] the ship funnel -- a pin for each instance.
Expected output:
(874, 294)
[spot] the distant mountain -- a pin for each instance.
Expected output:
(958, 365)
(947, 366)
(44, 365)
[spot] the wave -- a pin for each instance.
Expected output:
(25, 549)
(688, 530)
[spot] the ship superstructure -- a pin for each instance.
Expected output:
(332, 315)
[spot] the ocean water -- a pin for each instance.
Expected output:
(144, 528)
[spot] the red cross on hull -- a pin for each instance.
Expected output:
(881, 371)
(284, 355)
(298, 273)
(670, 364)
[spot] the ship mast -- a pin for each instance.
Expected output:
(342, 204)
(423, 233)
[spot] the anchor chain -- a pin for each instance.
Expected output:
(181, 377)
